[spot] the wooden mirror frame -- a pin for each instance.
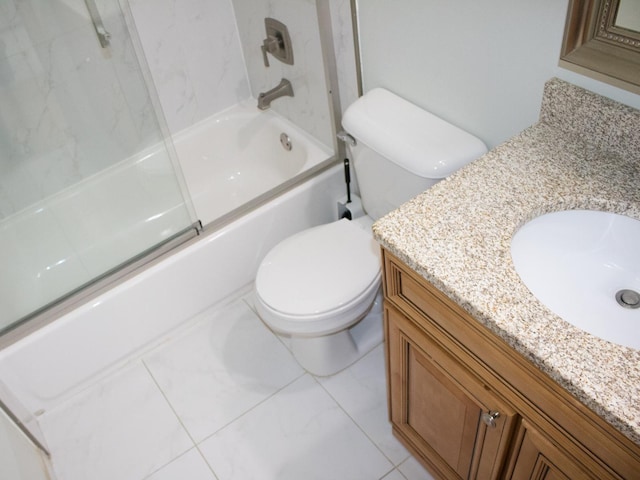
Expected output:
(594, 46)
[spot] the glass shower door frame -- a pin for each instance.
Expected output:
(100, 271)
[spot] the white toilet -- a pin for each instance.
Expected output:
(321, 286)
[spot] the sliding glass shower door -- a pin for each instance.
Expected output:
(87, 181)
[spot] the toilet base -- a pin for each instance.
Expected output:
(329, 354)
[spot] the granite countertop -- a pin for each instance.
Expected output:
(584, 153)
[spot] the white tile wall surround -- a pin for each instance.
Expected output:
(345, 51)
(56, 130)
(68, 107)
(194, 52)
(309, 108)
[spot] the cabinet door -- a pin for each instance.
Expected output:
(536, 458)
(455, 424)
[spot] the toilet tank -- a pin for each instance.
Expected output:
(402, 149)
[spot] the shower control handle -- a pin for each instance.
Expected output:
(271, 44)
(277, 42)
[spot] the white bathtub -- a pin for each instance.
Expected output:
(236, 156)
(41, 370)
(229, 160)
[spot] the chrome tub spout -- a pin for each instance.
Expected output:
(283, 89)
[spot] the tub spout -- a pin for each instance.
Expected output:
(284, 88)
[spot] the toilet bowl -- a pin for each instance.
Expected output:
(321, 280)
(315, 298)
(321, 287)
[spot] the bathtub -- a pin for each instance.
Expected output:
(234, 158)
(231, 162)
(46, 367)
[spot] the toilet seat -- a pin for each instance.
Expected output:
(320, 280)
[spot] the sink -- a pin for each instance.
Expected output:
(585, 267)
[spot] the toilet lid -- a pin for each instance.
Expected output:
(319, 269)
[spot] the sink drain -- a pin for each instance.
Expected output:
(628, 298)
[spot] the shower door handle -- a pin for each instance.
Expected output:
(104, 37)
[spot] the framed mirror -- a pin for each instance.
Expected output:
(602, 40)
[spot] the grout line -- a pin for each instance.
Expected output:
(168, 463)
(370, 352)
(241, 299)
(253, 407)
(168, 402)
(353, 419)
(399, 473)
(390, 471)
(195, 445)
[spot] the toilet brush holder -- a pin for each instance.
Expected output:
(350, 210)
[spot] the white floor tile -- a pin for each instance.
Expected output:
(220, 368)
(299, 433)
(190, 466)
(413, 470)
(394, 475)
(361, 391)
(120, 428)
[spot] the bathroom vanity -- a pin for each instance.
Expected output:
(485, 381)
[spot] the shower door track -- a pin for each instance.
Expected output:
(49, 313)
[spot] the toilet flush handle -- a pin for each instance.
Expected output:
(346, 138)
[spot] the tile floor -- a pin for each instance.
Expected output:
(224, 399)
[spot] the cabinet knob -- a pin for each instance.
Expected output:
(489, 418)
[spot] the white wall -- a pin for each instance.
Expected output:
(480, 65)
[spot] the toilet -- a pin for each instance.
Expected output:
(321, 287)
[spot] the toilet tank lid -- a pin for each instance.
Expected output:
(409, 136)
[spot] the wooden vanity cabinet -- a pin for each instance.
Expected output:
(469, 406)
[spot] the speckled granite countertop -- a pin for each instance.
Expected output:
(584, 153)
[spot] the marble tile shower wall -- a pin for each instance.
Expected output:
(205, 56)
(345, 51)
(194, 53)
(68, 110)
(310, 107)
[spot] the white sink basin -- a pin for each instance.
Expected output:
(584, 266)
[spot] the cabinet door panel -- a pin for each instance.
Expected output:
(440, 413)
(437, 405)
(536, 458)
